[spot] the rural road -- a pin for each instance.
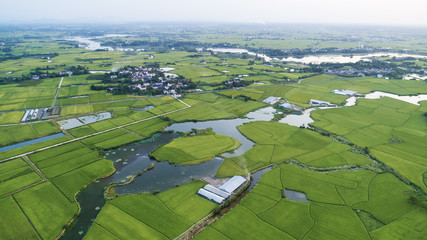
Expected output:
(94, 134)
(210, 91)
(57, 92)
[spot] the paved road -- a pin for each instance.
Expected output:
(94, 134)
(57, 92)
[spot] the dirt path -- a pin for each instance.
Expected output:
(57, 92)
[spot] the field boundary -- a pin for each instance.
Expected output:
(97, 133)
(28, 219)
(23, 188)
(57, 92)
(195, 93)
(34, 167)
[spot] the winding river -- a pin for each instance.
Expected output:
(133, 158)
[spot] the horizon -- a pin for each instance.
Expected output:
(364, 12)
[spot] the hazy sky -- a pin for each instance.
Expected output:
(389, 12)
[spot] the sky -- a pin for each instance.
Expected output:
(371, 12)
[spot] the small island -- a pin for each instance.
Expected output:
(197, 147)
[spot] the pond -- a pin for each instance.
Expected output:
(142, 109)
(296, 196)
(302, 120)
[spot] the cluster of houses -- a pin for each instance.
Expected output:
(144, 78)
(220, 194)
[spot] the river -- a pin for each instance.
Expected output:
(333, 58)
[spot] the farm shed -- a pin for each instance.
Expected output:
(315, 102)
(271, 100)
(287, 105)
(234, 183)
(216, 191)
(213, 197)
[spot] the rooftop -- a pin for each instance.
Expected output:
(234, 183)
(210, 196)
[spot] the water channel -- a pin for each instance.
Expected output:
(26, 143)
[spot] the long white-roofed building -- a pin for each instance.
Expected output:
(271, 100)
(233, 184)
(211, 196)
(218, 195)
(217, 191)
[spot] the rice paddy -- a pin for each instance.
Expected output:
(162, 216)
(195, 149)
(349, 195)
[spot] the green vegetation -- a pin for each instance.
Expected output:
(195, 149)
(351, 196)
(334, 198)
(11, 213)
(277, 142)
(47, 208)
(372, 123)
(11, 117)
(71, 166)
(18, 133)
(213, 106)
(161, 216)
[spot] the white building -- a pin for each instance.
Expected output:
(271, 100)
(216, 191)
(234, 183)
(211, 196)
(315, 102)
(344, 92)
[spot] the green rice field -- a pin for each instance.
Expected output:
(195, 149)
